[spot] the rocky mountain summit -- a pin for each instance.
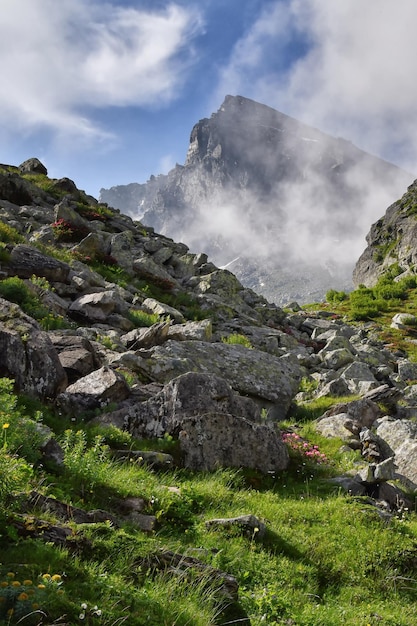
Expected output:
(118, 320)
(283, 205)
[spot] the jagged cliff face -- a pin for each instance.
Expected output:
(391, 240)
(285, 205)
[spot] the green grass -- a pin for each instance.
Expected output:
(237, 339)
(326, 558)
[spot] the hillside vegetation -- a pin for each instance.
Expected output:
(307, 554)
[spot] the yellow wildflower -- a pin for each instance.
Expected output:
(23, 596)
(41, 587)
(11, 574)
(6, 426)
(27, 583)
(4, 584)
(16, 583)
(46, 576)
(35, 606)
(56, 578)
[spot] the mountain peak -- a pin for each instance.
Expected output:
(291, 202)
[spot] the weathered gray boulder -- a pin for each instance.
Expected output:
(199, 331)
(96, 390)
(64, 210)
(336, 359)
(26, 261)
(359, 378)
(138, 338)
(403, 320)
(121, 249)
(76, 354)
(27, 354)
(146, 268)
(336, 387)
(188, 395)
(90, 247)
(267, 378)
(33, 165)
(400, 439)
(217, 440)
(407, 370)
(215, 426)
(347, 420)
(154, 306)
(341, 426)
(378, 472)
(96, 307)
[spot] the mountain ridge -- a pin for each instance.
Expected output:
(287, 200)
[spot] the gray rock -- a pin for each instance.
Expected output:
(349, 484)
(146, 268)
(76, 354)
(215, 426)
(217, 440)
(33, 165)
(248, 525)
(191, 331)
(403, 320)
(121, 249)
(96, 390)
(139, 338)
(28, 355)
(336, 359)
(250, 372)
(337, 387)
(359, 378)
(26, 261)
(153, 306)
(340, 425)
(97, 307)
(400, 439)
(407, 370)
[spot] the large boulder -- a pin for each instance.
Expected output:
(214, 425)
(271, 380)
(25, 261)
(28, 355)
(94, 391)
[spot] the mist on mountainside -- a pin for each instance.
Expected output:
(282, 205)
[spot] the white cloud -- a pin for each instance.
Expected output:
(355, 79)
(61, 59)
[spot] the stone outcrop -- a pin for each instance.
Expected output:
(391, 240)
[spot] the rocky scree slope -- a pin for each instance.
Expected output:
(129, 328)
(285, 204)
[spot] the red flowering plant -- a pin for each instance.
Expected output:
(304, 450)
(68, 232)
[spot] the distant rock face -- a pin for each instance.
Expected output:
(281, 204)
(392, 239)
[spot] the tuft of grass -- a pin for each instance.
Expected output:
(142, 319)
(237, 339)
(8, 234)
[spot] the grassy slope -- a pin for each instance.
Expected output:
(327, 558)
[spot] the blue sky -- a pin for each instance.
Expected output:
(107, 93)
